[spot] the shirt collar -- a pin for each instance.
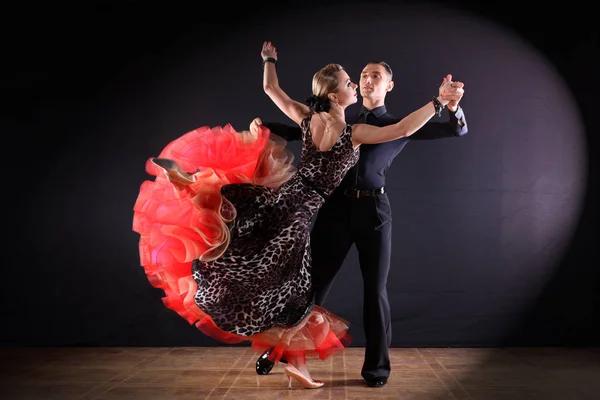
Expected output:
(377, 111)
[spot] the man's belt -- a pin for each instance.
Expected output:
(358, 193)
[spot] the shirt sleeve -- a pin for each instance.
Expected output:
(456, 126)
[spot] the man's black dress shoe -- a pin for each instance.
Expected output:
(379, 381)
(264, 365)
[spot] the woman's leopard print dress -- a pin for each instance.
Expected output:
(263, 280)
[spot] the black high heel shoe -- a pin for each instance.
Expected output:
(174, 172)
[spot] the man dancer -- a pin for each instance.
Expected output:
(358, 212)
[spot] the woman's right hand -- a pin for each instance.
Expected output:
(268, 50)
(256, 122)
(251, 134)
(444, 90)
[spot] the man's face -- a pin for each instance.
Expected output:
(375, 82)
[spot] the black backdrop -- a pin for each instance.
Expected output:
(495, 233)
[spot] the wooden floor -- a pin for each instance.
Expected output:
(228, 373)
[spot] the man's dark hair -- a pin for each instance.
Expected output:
(384, 65)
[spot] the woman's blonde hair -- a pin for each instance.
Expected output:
(325, 81)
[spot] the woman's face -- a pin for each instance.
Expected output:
(346, 92)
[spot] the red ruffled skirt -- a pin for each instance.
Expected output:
(179, 223)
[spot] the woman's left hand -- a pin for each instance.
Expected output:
(268, 51)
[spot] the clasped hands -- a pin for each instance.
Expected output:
(451, 92)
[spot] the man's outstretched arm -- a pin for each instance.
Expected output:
(456, 124)
(287, 132)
